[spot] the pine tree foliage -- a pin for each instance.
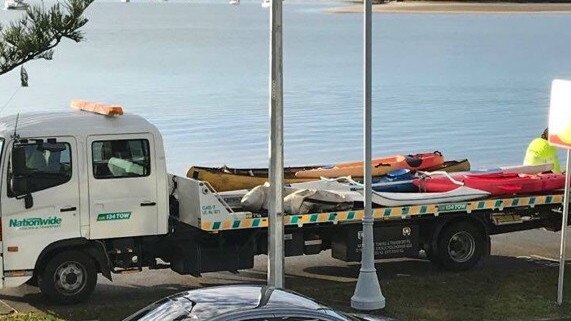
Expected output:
(39, 31)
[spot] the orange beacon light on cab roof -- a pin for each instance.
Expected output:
(98, 108)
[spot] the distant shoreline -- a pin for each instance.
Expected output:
(458, 7)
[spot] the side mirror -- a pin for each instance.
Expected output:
(28, 200)
(18, 161)
(19, 186)
(19, 180)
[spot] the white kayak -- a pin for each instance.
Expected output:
(355, 193)
(462, 193)
(527, 169)
(514, 169)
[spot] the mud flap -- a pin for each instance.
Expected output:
(97, 251)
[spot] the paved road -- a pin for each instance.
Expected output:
(129, 292)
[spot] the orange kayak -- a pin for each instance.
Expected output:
(381, 166)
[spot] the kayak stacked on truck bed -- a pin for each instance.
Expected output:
(443, 187)
(230, 179)
(494, 183)
(225, 178)
(400, 180)
(381, 166)
(437, 187)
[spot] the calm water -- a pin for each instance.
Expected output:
(474, 86)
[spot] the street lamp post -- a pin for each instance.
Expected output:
(275, 211)
(368, 295)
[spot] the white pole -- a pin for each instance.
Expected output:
(564, 230)
(368, 295)
(275, 211)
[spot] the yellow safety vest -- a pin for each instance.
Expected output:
(540, 152)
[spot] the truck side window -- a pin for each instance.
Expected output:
(121, 158)
(42, 169)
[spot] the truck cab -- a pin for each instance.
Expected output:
(69, 179)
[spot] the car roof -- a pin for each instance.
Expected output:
(215, 301)
(222, 302)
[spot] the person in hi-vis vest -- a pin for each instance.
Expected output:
(540, 152)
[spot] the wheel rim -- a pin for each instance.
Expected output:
(70, 278)
(461, 247)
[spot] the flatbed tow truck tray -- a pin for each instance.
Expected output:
(388, 213)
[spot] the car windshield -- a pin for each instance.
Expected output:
(169, 309)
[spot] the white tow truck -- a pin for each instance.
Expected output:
(84, 193)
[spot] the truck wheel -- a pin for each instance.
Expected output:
(68, 278)
(460, 246)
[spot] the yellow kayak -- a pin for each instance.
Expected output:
(230, 179)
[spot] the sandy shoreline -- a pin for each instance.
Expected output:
(458, 7)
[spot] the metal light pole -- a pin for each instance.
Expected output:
(563, 230)
(275, 211)
(368, 295)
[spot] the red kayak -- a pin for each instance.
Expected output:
(494, 183)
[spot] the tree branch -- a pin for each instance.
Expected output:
(35, 35)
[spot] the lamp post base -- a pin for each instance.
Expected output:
(368, 295)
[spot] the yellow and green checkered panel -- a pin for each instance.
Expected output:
(387, 213)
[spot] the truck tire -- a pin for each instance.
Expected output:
(460, 246)
(69, 277)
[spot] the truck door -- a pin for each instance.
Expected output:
(122, 186)
(40, 199)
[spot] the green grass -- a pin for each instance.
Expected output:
(467, 296)
(504, 292)
(34, 316)
(479, 296)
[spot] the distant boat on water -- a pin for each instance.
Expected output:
(15, 5)
(266, 3)
(234, 2)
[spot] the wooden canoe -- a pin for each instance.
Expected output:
(230, 179)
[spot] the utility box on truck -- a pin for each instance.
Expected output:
(390, 242)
